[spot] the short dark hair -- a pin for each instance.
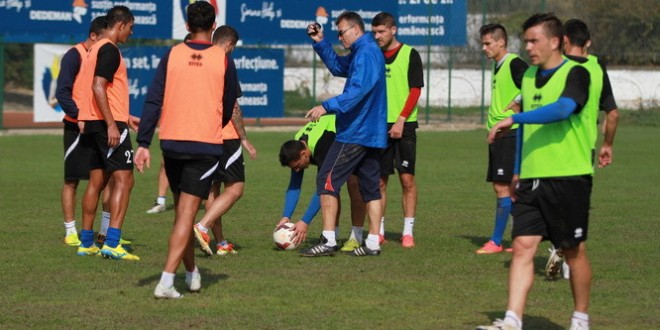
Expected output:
(98, 25)
(200, 16)
(290, 151)
(118, 14)
(577, 32)
(383, 18)
(351, 17)
(551, 25)
(225, 33)
(497, 31)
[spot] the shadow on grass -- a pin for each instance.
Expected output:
(530, 322)
(208, 278)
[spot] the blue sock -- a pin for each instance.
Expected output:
(112, 240)
(86, 238)
(501, 217)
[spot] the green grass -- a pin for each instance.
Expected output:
(440, 284)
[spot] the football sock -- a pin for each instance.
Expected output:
(86, 238)
(112, 240)
(167, 279)
(202, 228)
(189, 275)
(70, 227)
(223, 243)
(372, 242)
(382, 226)
(408, 224)
(160, 200)
(330, 236)
(501, 217)
(356, 233)
(105, 223)
(511, 318)
(579, 318)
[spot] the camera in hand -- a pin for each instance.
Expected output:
(313, 29)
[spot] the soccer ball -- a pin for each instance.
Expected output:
(283, 236)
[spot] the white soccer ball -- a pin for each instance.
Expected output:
(283, 236)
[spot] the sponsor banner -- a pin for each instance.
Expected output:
(260, 71)
(46, 70)
(141, 63)
(285, 21)
(68, 21)
(434, 22)
(261, 74)
(179, 16)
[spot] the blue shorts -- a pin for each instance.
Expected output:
(344, 159)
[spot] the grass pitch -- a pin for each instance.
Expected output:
(440, 284)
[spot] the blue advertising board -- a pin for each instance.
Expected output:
(261, 73)
(141, 64)
(68, 21)
(434, 22)
(285, 21)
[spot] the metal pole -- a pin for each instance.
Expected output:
(428, 67)
(313, 80)
(451, 60)
(483, 67)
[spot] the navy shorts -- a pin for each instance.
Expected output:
(400, 154)
(190, 175)
(501, 157)
(554, 208)
(344, 159)
(232, 164)
(77, 154)
(104, 157)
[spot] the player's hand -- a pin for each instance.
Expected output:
(133, 123)
(315, 32)
(250, 148)
(113, 136)
(605, 156)
(513, 186)
(513, 106)
(397, 129)
(316, 113)
(142, 158)
(300, 232)
(282, 221)
(81, 126)
(504, 124)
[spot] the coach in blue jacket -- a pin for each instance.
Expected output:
(361, 124)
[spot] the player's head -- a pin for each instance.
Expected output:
(577, 33)
(493, 41)
(97, 27)
(120, 20)
(226, 37)
(295, 155)
(543, 35)
(383, 27)
(350, 28)
(200, 17)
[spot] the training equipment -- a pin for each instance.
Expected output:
(117, 253)
(407, 241)
(72, 239)
(364, 251)
(226, 249)
(489, 248)
(283, 236)
(89, 251)
(498, 325)
(157, 208)
(203, 240)
(350, 245)
(553, 266)
(162, 292)
(195, 283)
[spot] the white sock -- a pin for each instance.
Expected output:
(330, 236)
(382, 226)
(202, 228)
(580, 318)
(105, 223)
(408, 224)
(373, 242)
(511, 318)
(167, 279)
(70, 227)
(160, 200)
(356, 233)
(189, 275)
(336, 232)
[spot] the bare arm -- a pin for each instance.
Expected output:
(101, 97)
(605, 154)
(237, 120)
